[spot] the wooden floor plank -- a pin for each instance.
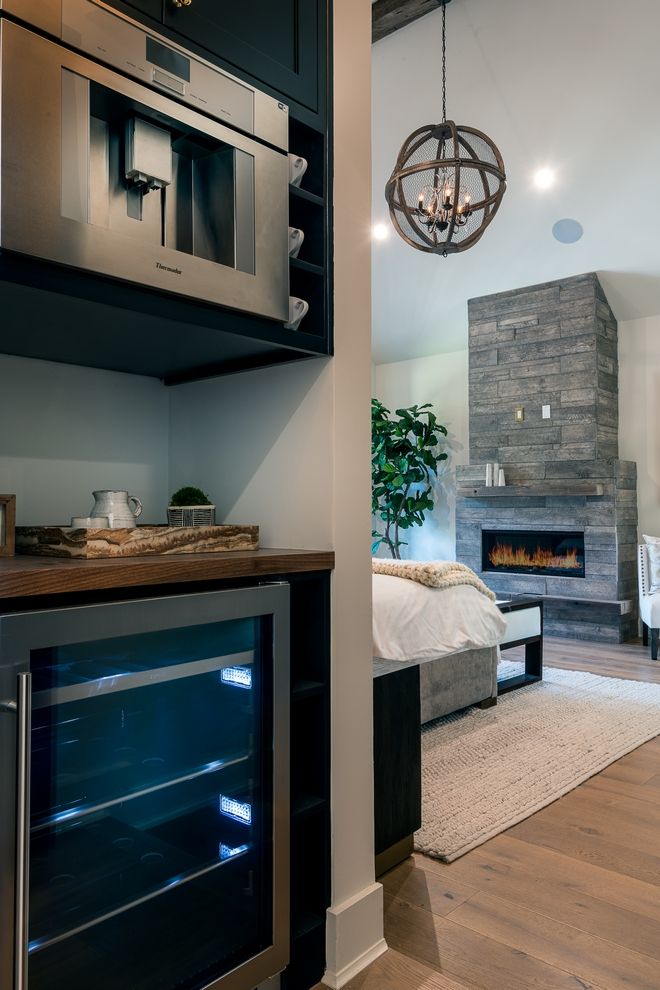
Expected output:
(590, 847)
(649, 791)
(590, 958)
(472, 958)
(634, 807)
(586, 813)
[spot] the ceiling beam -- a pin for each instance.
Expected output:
(388, 16)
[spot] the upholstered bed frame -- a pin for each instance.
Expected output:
(447, 684)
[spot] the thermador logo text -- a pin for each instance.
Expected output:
(165, 268)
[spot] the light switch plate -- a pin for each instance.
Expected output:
(545, 412)
(520, 414)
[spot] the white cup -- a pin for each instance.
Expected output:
(501, 480)
(297, 168)
(489, 474)
(90, 522)
(297, 310)
(296, 237)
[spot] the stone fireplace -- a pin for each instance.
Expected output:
(565, 527)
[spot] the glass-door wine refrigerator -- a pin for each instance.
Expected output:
(144, 802)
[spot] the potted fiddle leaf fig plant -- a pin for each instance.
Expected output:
(190, 507)
(405, 454)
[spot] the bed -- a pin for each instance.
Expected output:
(451, 633)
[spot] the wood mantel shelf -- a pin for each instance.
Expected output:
(532, 491)
(28, 576)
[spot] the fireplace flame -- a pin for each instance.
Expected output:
(503, 555)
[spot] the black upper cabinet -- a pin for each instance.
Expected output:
(152, 8)
(275, 41)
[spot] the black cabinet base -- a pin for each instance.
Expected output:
(389, 858)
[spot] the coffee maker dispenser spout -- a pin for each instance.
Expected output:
(148, 163)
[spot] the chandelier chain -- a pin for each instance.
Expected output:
(444, 64)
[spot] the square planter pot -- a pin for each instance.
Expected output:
(191, 515)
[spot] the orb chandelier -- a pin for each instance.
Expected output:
(447, 183)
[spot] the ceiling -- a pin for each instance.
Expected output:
(574, 85)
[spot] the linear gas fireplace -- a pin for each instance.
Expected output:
(533, 552)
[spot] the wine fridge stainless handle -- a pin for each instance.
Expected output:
(24, 728)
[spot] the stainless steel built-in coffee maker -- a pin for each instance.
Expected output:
(168, 172)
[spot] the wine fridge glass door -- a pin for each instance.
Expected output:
(152, 846)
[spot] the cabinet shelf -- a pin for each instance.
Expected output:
(92, 889)
(306, 804)
(307, 266)
(117, 679)
(305, 923)
(299, 193)
(303, 688)
(69, 816)
(45, 306)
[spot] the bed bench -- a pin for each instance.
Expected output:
(407, 694)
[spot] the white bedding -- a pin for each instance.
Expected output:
(413, 622)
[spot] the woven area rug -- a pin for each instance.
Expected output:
(484, 771)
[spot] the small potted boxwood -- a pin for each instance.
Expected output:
(190, 507)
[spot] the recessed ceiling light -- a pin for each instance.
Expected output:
(380, 232)
(544, 178)
(567, 231)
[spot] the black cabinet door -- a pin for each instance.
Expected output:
(152, 8)
(275, 41)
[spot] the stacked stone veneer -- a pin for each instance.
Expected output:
(553, 344)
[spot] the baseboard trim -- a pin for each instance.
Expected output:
(352, 925)
(338, 980)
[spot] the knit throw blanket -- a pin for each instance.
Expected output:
(432, 573)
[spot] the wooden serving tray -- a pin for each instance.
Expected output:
(141, 541)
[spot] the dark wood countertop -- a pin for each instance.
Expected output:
(27, 576)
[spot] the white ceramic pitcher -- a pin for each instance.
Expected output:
(120, 508)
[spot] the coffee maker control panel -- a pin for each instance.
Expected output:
(113, 38)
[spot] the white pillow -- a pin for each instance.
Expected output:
(650, 539)
(414, 622)
(653, 551)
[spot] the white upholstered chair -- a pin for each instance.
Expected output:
(649, 603)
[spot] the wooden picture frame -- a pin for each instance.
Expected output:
(7, 525)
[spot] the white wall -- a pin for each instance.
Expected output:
(639, 413)
(260, 444)
(68, 430)
(442, 380)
